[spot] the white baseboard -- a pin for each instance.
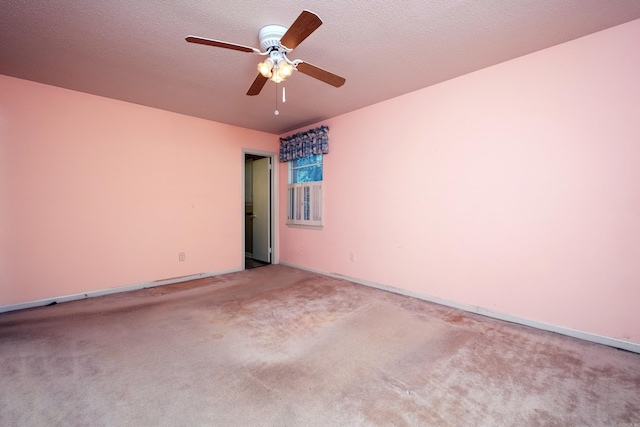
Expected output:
(92, 294)
(587, 336)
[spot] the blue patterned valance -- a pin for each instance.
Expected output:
(303, 144)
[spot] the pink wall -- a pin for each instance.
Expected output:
(97, 193)
(515, 188)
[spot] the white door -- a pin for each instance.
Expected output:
(261, 210)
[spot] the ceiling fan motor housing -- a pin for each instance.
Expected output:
(270, 36)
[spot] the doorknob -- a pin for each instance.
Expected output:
(253, 216)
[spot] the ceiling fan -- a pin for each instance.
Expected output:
(276, 43)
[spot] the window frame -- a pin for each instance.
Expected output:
(304, 199)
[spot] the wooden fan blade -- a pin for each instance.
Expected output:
(257, 85)
(306, 23)
(218, 43)
(320, 74)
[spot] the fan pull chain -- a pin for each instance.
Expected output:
(276, 112)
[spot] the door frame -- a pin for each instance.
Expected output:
(273, 200)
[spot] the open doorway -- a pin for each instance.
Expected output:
(259, 213)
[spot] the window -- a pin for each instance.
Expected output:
(305, 191)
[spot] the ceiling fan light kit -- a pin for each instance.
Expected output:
(276, 42)
(277, 67)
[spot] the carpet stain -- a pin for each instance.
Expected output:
(459, 319)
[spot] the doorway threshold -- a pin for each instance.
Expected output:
(253, 263)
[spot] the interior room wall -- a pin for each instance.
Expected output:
(97, 193)
(515, 188)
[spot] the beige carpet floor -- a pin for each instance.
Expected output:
(277, 346)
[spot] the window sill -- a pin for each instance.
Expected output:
(308, 227)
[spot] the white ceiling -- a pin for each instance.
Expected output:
(134, 50)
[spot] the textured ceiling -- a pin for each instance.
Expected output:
(134, 50)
